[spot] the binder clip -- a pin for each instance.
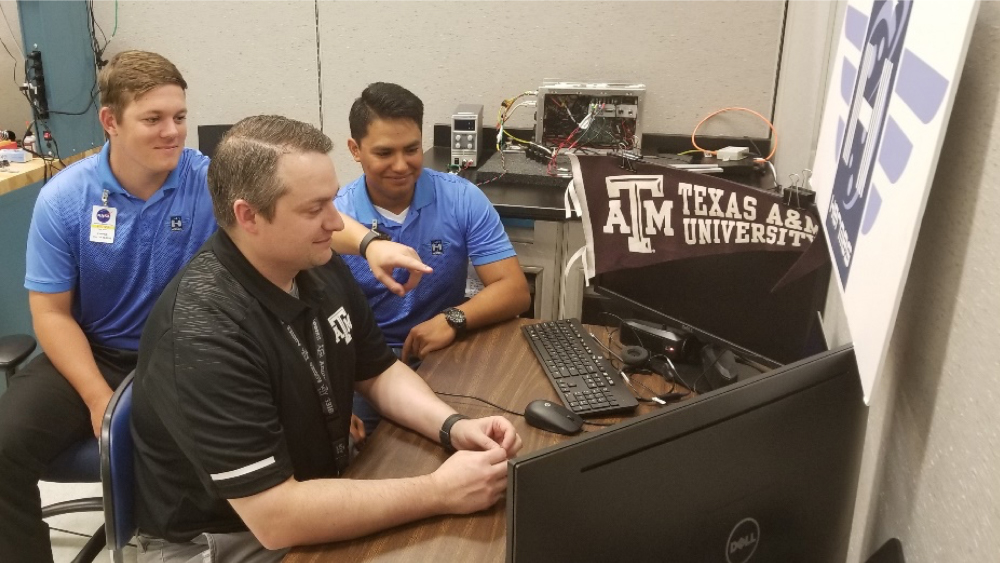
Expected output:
(628, 158)
(796, 194)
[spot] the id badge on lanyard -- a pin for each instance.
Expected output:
(321, 380)
(102, 221)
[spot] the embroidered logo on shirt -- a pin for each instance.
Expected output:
(176, 223)
(437, 247)
(340, 322)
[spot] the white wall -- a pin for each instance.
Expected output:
(14, 109)
(239, 58)
(482, 52)
(243, 58)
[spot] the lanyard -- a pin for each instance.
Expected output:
(322, 383)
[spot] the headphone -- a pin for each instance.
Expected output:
(634, 356)
(638, 357)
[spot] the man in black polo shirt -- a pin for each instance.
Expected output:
(247, 365)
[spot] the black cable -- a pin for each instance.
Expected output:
(755, 147)
(13, 58)
(628, 380)
(621, 323)
(494, 405)
(610, 351)
(70, 532)
(638, 337)
(99, 62)
(643, 385)
(58, 156)
(82, 535)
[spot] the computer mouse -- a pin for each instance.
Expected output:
(552, 417)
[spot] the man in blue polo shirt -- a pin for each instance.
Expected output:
(445, 218)
(107, 235)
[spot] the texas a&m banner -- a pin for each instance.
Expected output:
(657, 213)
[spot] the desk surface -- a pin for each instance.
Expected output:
(497, 365)
(24, 174)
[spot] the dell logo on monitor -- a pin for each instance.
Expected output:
(743, 540)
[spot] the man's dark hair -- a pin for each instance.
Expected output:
(384, 100)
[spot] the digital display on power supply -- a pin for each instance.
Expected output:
(465, 125)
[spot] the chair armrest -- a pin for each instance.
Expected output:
(14, 349)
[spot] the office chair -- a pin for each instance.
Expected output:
(209, 137)
(118, 470)
(14, 349)
(80, 463)
(116, 473)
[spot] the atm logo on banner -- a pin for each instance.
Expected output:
(694, 215)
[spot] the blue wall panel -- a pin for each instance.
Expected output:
(15, 216)
(59, 30)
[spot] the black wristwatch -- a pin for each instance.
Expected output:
(455, 318)
(445, 433)
(368, 238)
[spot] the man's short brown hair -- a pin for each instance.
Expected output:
(131, 74)
(245, 164)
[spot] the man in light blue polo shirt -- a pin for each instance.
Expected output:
(445, 218)
(107, 235)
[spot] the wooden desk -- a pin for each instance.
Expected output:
(497, 365)
(23, 174)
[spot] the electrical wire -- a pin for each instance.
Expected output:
(671, 393)
(774, 132)
(98, 51)
(14, 76)
(507, 108)
(481, 400)
(627, 379)
(12, 36)
(585, 124)
(16, 45)
(494, 405)
(70, 532)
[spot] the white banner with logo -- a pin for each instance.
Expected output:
(891, 90)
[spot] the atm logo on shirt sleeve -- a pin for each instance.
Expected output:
(340, 322)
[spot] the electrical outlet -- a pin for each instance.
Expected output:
(36, 85)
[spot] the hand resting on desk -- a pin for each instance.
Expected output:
(476, 475)
(471, 481)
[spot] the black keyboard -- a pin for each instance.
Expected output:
(585, 380)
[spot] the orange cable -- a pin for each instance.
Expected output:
(774, 132)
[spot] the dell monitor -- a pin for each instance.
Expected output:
(762, 470)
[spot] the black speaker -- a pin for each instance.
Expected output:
(676, 344)
(719, 365)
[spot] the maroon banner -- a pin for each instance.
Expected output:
(659, 213)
